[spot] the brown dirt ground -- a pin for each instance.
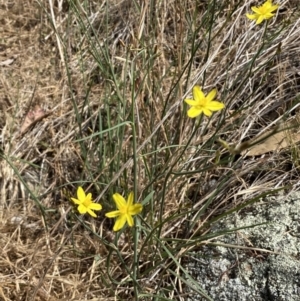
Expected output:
(33, 81)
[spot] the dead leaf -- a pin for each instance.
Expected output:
(7, 62)
(32, 117)
(279, 139)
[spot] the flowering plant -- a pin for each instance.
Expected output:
(125, 211)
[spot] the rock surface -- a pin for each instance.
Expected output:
(236, 274)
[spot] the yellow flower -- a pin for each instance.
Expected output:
(125, 211)
(203, 104)
(85, 203)
(263, 12)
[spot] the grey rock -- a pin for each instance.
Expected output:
(237, 274)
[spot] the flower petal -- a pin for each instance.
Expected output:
(82, 209)
(260, 19)
(91, 213)
(88, 198)
(191, 102)
(194, 112)
(198, 94)
(211, 95)
(112, 214)
(207, 112)
(129, 219)
(268, 5)
(120, 222)
(135, 209)
(268, 15)
(215, 106)
(76, 201)
(95, 206)
(273, 8)
(251, 17)
(256, 9)
(130, 199)
(80, 194)
(119, 200)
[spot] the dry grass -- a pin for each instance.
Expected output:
(109, 79)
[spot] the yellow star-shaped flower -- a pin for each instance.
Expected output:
(85, 203)
(125, 211)
(203, 104)
(263, 12)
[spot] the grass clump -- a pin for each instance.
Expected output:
(109, 81)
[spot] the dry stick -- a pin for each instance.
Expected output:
(61, 53)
